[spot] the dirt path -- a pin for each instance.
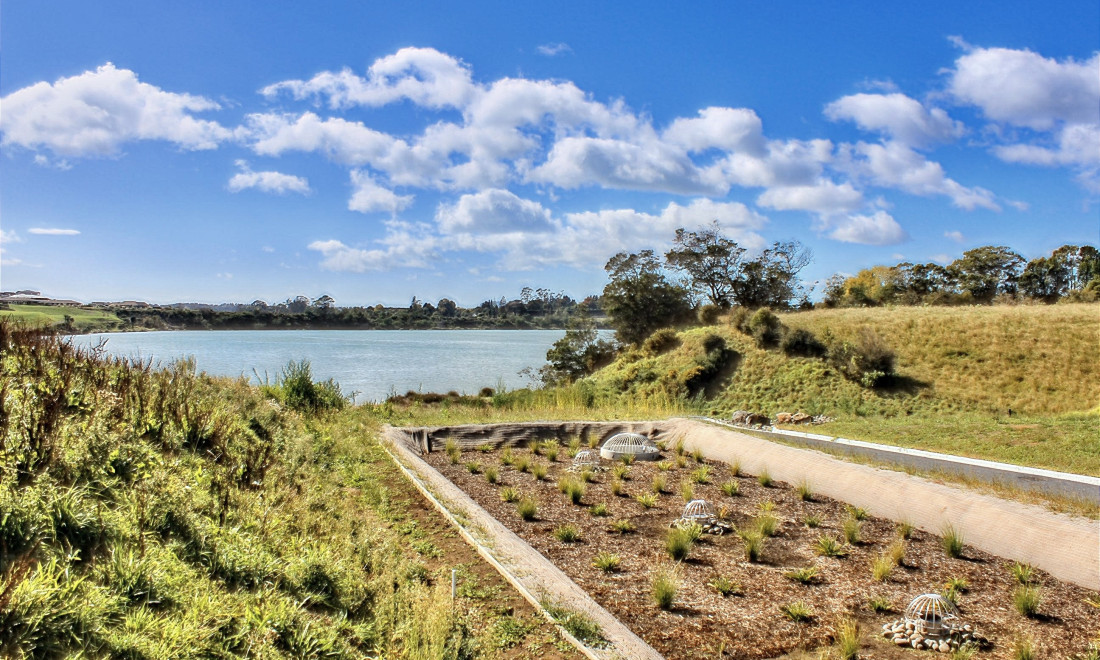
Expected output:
(535, 574)
(1066, 547)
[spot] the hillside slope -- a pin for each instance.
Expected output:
(960, 372)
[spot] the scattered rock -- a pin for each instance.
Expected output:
(783, 418)
(801, 418)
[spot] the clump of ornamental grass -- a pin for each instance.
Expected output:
(623, 526)
(1024, 649)
(507, 458)
(697, 454)
(805, 492)
(666, 581)
(659, 483)
(725, 586)
(664, 466)
(593, 442)
(846, 638)
(573, 489)
(616, 486)
(620, 472)
(647, 500)
(798, 611)
(679, 448)
(687, 491)
(765, 478)
(951, 541)
(828, 546)
(678, 543)
(486, 447)
(551, 452)
(852, 529)
(804, 575)
(473, 467)
(896, 552)
(567, 533)
(574, 446)
(879, 604)
(453, 452)
(1026, 600)
(491, 475)
(766, 506)
(598, 510)
(731, 488)
(681, 461)
(527, 509)
(522, 463)
(539, 470)
(587, 476)
(766, 524)
(905, 530)
(701, 475)
(953, 587)
(1024, 573)
(608, 562)
(881, 567)
(509, 494)
(627, 460)
(812, 521)
(753, 542)
(735, 467)
(857, 513)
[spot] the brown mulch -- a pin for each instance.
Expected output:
(702, 623)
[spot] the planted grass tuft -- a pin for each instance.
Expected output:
(1024, 573)
(527, 509)
(804, 575)
(805, 492)
(1027, 600)
(509, 494)
(598, 510)
(753, 544)
(567, 533)
(725, 586)
(765, 478)
(828, 546)
(798, 611)
(666, 581)
(622, 526)
(647, 500)
(951, 541)
(846, 638)
(731, 488)
(608, 562)
(678, 543)
(879, 604)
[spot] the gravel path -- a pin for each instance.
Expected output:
(1066, 547)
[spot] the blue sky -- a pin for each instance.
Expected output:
(212, 151)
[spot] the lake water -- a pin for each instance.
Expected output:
(372, 363)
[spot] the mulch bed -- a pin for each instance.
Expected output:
(702, 623)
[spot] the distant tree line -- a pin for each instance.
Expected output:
(535, 308)
(983, 275)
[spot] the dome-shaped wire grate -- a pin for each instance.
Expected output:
(930, 613)
(585, 457)
(629, 444)
(698, 510)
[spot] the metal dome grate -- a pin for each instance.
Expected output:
(630, 444)
(585, 458)
(931, 613)
(698, 510)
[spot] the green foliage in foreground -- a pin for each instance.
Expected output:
(162, 513)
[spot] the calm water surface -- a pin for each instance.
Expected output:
(371, 362)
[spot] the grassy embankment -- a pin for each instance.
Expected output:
(163, 514)
(84, 320)
(960, 371)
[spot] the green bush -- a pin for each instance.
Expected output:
(661, 341)
(802, 343)
(301, 393)
(765, 328)
(867, 360)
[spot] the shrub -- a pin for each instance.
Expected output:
(491, 475)
(952, 541)
(678, 543)
(302, 394)
(1027, 599)
(665, 583)
(798, 611)
(879, 604)
(647, 500)
(881, 568)
(764, 478)
(567, 533)
(527, 509)
(802, 343)
(867, 360)
(812, 521)
(701, 475)
(828, 546)
(622, 526)
(765, 328)
(608, 562)
(846, 638)
(804, 575)
(739, 319)
(708, 314)
(754, 545)
(1024, 573)
(661, 341)
(659, 483)
(725, 586)
(509, 494)
(805, 493)
(731, 488)
(598, 509)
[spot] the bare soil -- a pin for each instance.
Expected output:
(703, 623)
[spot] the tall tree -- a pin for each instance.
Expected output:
(639, 299)
(987, 271)
(771, 280)
(711, 262)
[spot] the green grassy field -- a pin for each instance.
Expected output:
(55, 316)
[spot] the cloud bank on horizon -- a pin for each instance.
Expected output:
(498, 152)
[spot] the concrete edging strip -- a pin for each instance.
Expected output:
(1038, 479)
(521, 565)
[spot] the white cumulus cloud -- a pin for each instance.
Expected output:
(96, 112)
(550, 50)
(367, 196)
(880, 228)
(268, 181)
(53, 231)
(897, 116)
(956, 236)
